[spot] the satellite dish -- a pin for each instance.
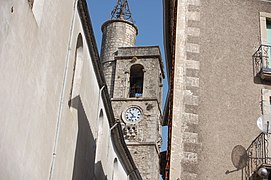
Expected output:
(264, 123)
(239, 157)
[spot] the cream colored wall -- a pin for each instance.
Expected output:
(41, 137)
(217, 99)
(106, 152)
(77, 128)
(32, 59)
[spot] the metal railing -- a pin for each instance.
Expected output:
(258, 153)
(262, 59)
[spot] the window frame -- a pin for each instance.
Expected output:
(266, 106)
(140, 67)
(263, 20)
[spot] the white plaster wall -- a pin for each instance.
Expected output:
(39, 132)
(32, 59)
(106, 153)
(72, 125)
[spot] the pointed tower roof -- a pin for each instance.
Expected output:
(122, 11)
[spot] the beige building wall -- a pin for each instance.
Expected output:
(55, 123)
(216, 96)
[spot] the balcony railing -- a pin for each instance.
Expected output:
(262, 62)
(259, 156)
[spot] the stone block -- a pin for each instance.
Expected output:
(194, 48)
(191, 64)
(193, 15)
(193, 2)
(189, 137)
(192, 81)
(190, 157)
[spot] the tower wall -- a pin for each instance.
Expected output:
(123, 65)
(144, 137)
(144, 141)
(116, 33)
(147, 56)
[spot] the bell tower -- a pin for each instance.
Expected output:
(120, 31)
(134, 78)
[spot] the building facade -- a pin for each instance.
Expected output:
(134, 76)
(218, 60)
(56, 116)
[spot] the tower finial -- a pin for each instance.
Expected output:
(122, 11)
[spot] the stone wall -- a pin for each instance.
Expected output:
(116, 33)
(118, 56)
(143, 138)
(148, 128)
(148, 154)
(185, 143)
(149, 58)
(144, 144)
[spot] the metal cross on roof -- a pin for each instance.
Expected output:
(122, 11)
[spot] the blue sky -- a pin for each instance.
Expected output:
(148, 17)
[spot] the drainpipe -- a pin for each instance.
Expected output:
(60, 109)
(133, 171)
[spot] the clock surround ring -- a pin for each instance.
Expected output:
(132, 114)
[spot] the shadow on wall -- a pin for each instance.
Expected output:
(99, 170)
(84, 160)
(258, 80)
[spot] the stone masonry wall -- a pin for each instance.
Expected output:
(146, 140)
(148, 155)
(191, 144)
(185, 143)
(216, 98)
(118, 55)
(116, 33)
(148, 128)
(143, 138)
(149, 58)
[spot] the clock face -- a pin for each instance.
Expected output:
(132, 114)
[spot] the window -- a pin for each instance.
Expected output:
(263, 122)
(136, 80)
(268, 31)
(263, 24)
(262, 57)
(266, 101)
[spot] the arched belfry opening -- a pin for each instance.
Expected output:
(136, 80)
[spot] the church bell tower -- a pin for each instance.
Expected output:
(134, 78)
